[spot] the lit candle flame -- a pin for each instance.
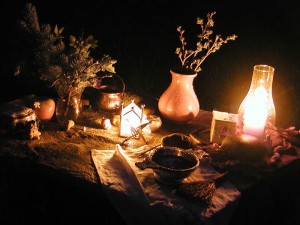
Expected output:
(131, 118)
(256, 113)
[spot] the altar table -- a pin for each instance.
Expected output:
(54, 178)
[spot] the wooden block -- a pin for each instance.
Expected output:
(223, 124)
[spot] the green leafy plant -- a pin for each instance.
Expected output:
(207, 44)
(69, 68)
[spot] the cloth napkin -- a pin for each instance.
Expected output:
(140, 199)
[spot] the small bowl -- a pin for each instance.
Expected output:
(170, 164)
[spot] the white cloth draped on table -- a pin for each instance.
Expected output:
(141, 200)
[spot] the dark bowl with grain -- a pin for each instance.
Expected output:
(171, 164)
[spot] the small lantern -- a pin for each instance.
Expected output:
(256, 113)
(131, 118)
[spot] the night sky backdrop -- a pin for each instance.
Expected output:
(142, 36)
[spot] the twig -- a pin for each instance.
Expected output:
(148, 150)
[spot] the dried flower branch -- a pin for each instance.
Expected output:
(191, 58)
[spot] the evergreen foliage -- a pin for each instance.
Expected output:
(69, 68)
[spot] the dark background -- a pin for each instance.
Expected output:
(142, 36)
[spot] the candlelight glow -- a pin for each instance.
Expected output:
(131, 118)
(256, 113)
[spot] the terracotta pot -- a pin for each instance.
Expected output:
(179, 102)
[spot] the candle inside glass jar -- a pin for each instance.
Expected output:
(255, 114)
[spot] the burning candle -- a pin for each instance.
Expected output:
(255, 114)
(127, 124)
(132, 117)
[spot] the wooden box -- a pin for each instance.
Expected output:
(223, 124)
